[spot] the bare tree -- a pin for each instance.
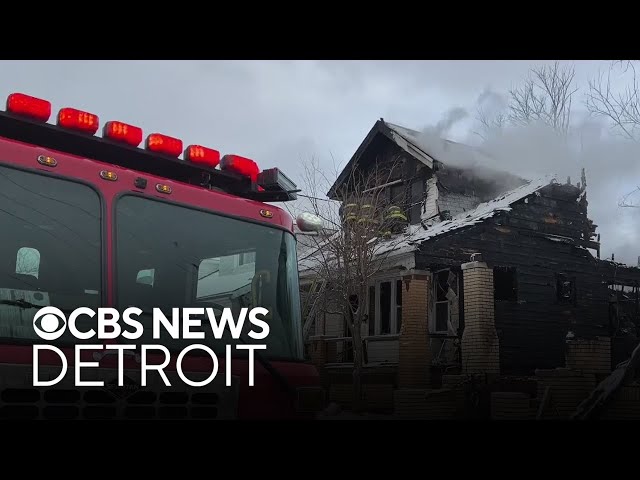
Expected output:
(490, 124)
(621, 108)
(627, 201)
(366, 228)
(545, 96)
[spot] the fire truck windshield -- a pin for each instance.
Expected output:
(50, 249)
(52, 233)
(172, 256)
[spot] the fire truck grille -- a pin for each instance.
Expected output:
(111, 402)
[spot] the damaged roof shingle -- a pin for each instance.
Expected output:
(417, 234)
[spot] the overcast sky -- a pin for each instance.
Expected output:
(282, 112)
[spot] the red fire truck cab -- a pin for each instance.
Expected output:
(109, 221)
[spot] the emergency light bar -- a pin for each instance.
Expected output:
(27, 119)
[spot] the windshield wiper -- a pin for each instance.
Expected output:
(20, 303)
(24, 304)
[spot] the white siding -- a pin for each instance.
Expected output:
(457, 203)
(431, 201)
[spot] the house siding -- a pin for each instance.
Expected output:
(457, 203)
(430, 209)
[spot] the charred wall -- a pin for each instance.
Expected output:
(623, 288)
(545, 286)
(476, 181)
(397, 165)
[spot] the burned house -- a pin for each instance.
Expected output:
(493, 273)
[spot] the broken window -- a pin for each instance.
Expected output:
(624, 308)
(415, 207)
(396, 194)
(445, 297)
(505, 286)
(565, 289)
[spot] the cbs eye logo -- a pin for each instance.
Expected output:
(52, 323)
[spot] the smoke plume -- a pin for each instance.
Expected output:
(612, 164)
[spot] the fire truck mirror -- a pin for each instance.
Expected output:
(308, 222)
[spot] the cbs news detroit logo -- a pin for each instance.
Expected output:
(50, 324)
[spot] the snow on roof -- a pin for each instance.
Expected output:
(417, 234)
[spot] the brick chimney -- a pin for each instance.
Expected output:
(480, 346)
(415, 355)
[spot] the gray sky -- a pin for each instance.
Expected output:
(282, 112)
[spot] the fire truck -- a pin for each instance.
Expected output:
(122, 218)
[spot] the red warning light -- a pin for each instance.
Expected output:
(202, 155)
(243, 166)
(164, 144)
(123, 132)
(78, 120)
(28, 106)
